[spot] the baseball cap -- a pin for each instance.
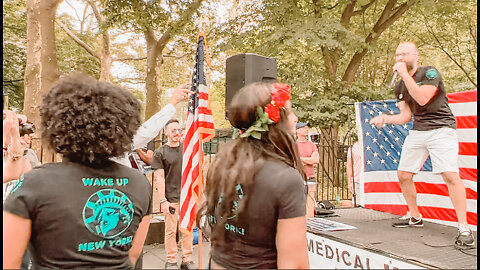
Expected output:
(301, 124)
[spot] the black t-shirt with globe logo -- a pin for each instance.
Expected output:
(436, 113)
(81, 217)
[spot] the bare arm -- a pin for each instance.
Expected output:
(139, 239)
(314, 159)
(160, 180)
(292, 247)
(14, 166)
(16, 234)
(350, 170)
(403, 117)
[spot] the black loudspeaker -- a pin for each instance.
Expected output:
(246, 68)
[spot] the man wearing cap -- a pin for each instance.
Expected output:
(308, 150)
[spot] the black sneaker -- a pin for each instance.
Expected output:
(411, 222)
(169, 265)
(464, 237)
(188, 265)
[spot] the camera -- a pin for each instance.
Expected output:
(27, 128)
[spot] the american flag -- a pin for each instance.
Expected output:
(379, 185)
(200, 128)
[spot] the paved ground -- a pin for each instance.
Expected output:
(154, 256)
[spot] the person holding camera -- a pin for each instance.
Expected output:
(16, 158)
(167, 163)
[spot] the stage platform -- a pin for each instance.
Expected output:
(375, 244)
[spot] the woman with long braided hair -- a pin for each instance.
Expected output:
(255, 189)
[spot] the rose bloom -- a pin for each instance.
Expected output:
(273, 112)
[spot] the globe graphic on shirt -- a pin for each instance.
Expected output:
(108, 213)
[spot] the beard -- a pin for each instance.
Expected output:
(410, 66)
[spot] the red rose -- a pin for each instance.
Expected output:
(281, 95)
(273, 112)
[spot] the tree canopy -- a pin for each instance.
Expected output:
(333, 53)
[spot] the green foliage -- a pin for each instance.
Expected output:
(14, 51)
(296, 33)
(71, 56)
(325, 109)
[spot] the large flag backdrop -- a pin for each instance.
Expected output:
(379, 185)
(200, 128)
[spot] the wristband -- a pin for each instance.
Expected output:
(163, 200)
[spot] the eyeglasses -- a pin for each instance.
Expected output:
(177, 130)
(404, 54)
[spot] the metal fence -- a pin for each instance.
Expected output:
(331, 173)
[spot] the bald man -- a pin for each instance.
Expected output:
(421, 92)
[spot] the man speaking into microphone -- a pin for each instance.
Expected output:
(421, 91)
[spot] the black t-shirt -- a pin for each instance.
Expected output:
(81, 217)
(278, 192)
(170, 160)
(436, 113)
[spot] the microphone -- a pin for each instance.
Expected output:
(395, 74)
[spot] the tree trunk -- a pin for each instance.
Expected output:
(329, 156)
(152, 80)
(41, 69)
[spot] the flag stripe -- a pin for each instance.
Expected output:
(421, 187)
(467, 149)
(462, 97)
(431, 200)
(463, 109)
(426, 211)
(468, 174)
(468, 121)
(467, 135)
(467, 162)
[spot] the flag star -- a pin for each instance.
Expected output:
(398, 153)
(373, 126)
(405, 126)
(375, 154)
(385, 105)
(382, 161)
(374, 139)
(374, 106)
(366, 120)
(390, 131)
(395, 160)
(392, 112)
(397, 138)
(386, 139)
(371, 112)
(369, 162)
(379, 131)
(367, 134)
(364, 106)
(368, 147)
(388, 153)
(392, 146)
(381, 146)
(380, 113)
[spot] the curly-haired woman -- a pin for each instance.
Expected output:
(255, 190)
(86, 211)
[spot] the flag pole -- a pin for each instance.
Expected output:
(200, 193)
(200, 187)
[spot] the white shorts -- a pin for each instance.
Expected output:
(441, 144)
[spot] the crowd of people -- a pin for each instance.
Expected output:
(93, 209)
